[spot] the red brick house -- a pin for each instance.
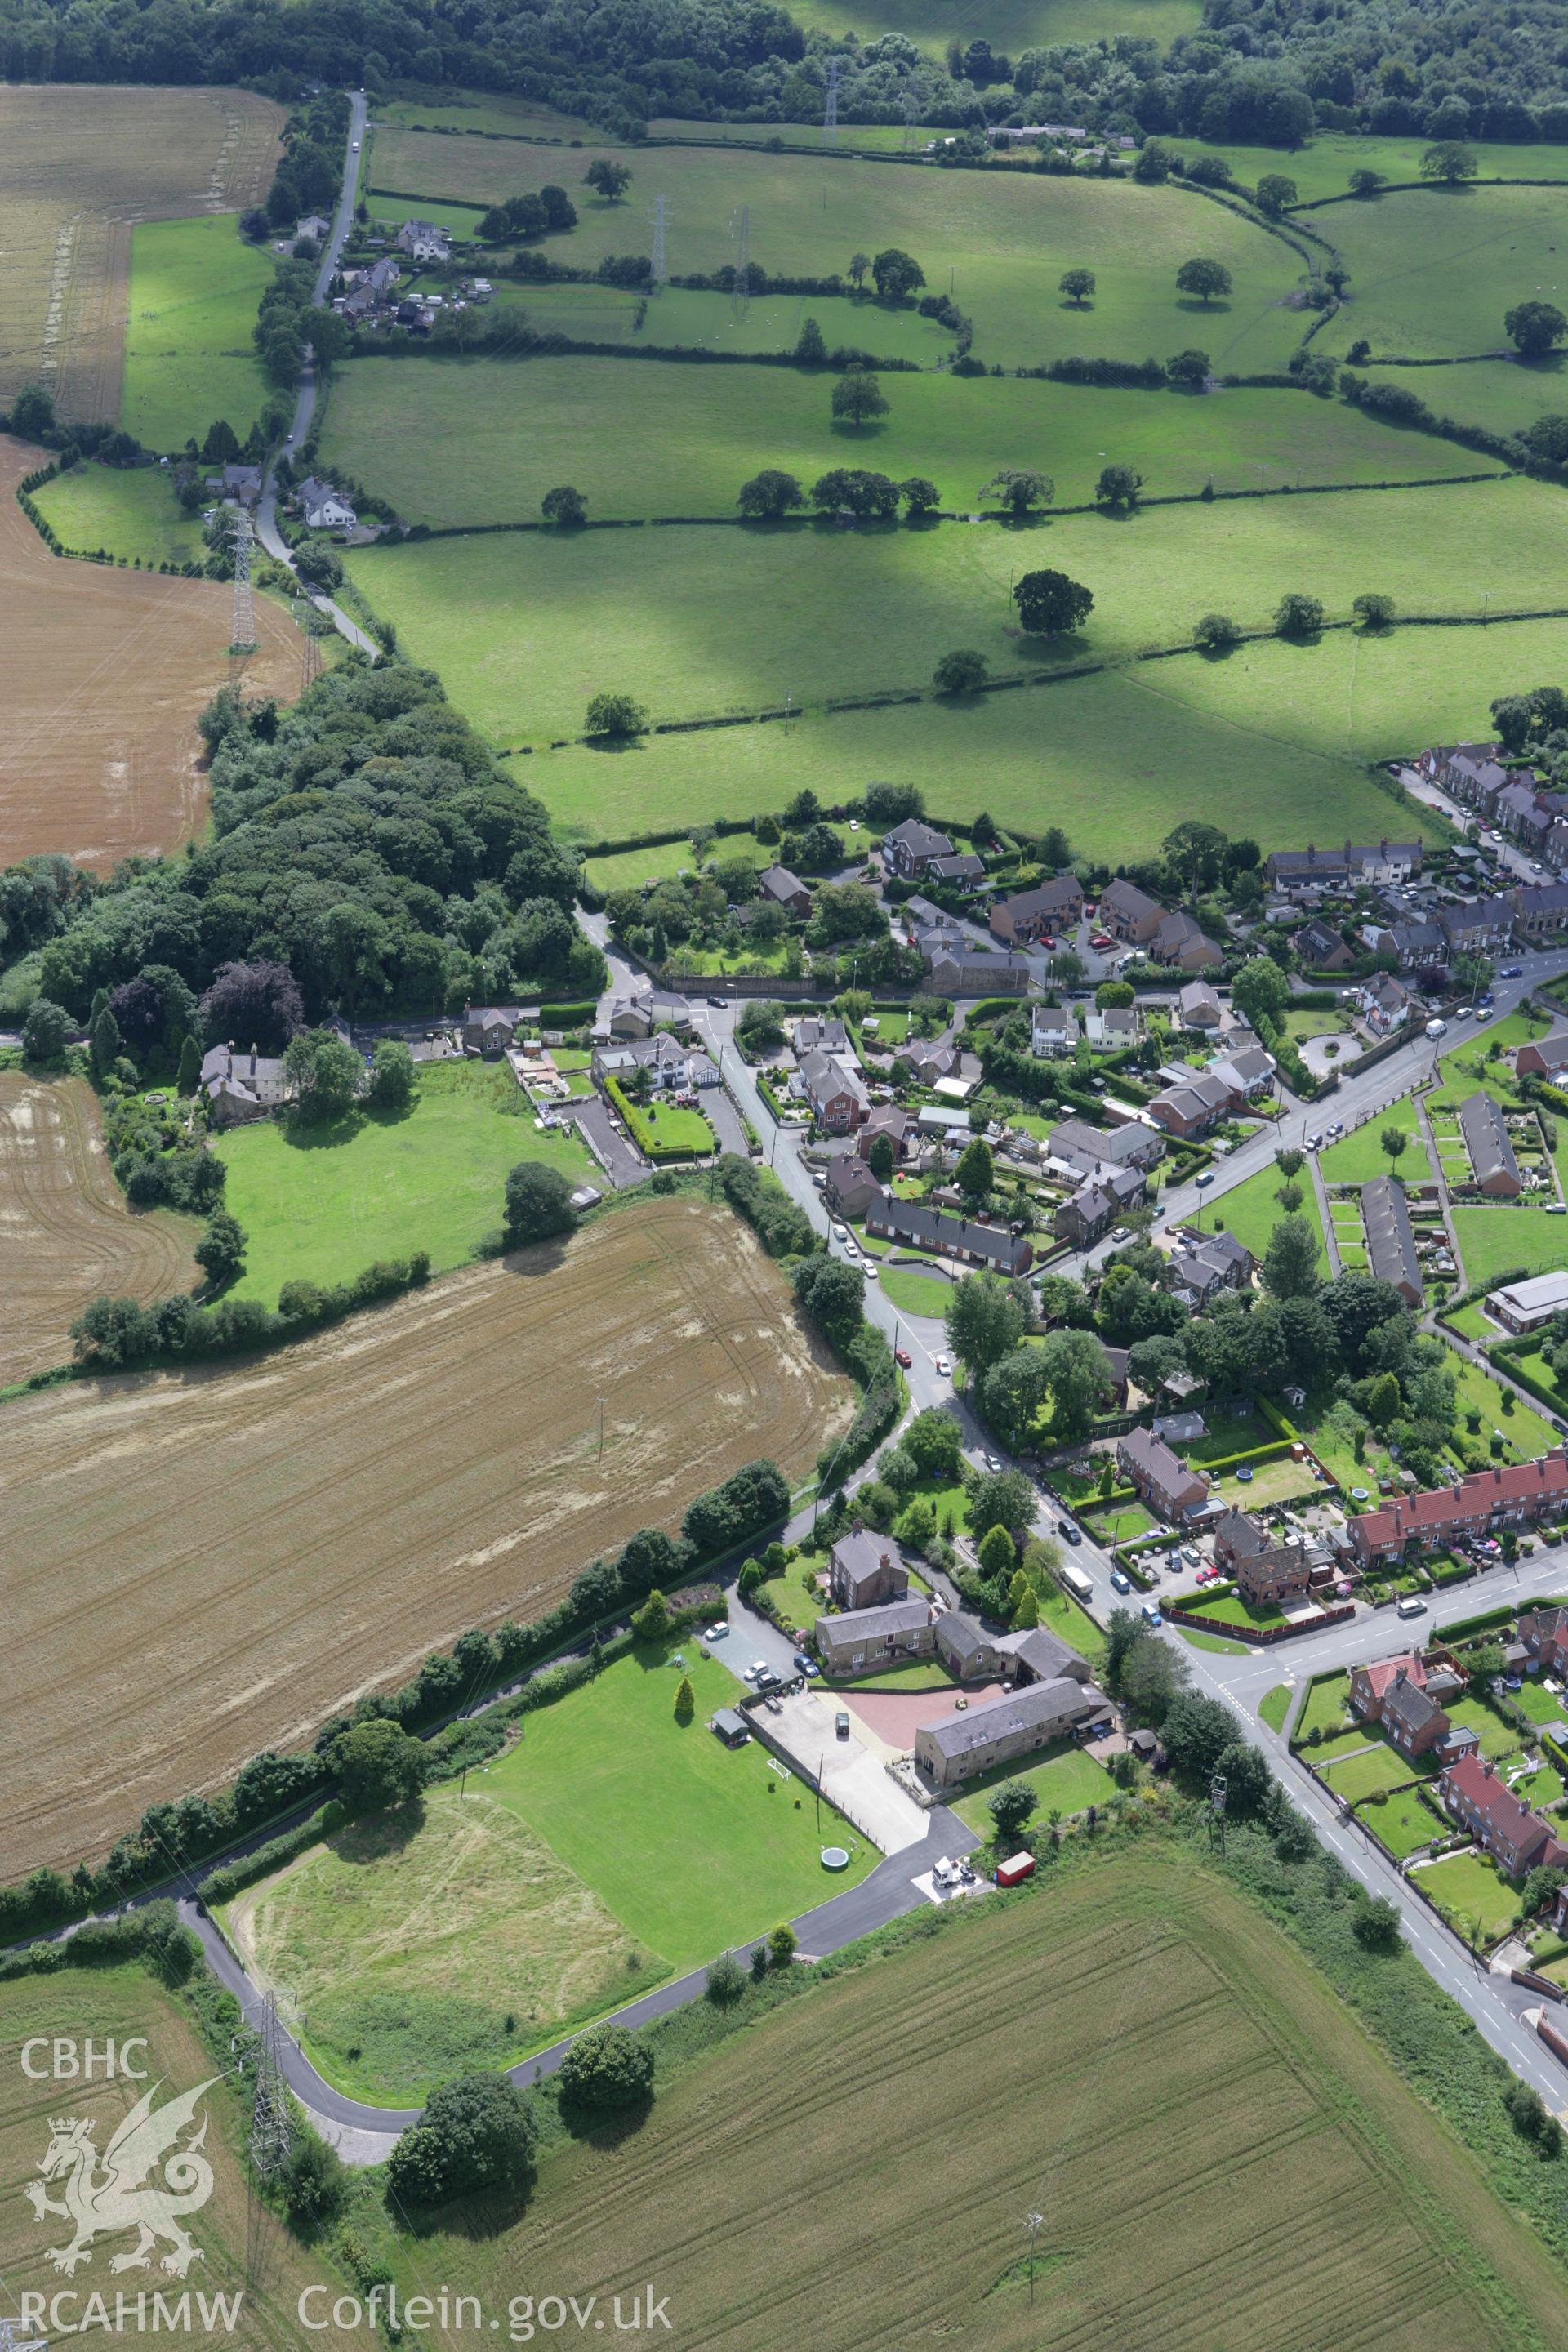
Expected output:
(1129, 913)
(1265, 1571)
(1370, 1684)
(1161, 1478)
(1514, 1495)
(1516, 1839)
(1544, 1632)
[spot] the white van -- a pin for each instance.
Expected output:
(1436, 1028)
(1410, 1604)
(1077, 1582)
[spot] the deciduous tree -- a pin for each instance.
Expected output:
(1209, 280)
(1050, 603)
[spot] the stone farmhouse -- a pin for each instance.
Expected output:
(1012, 1726)
(241, 1087)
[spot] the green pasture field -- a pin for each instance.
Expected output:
(1250, 1211)
(1434, 269)
(526, 629)
(408, 1941)
(318, 1205)
(1322, 167)
(1156, 1990)
(485, 110)
(623, 869)
(189, 310)
(1008, 24)
(1357, 1158)
(129, 511)
(439, 436)
(1494, 1238)
(1469, 1891)
(997, 243)
(1066, 1782)
(1502, 395)
(389, 213)
(1096, 754)
(677, 1833)
(707, 321)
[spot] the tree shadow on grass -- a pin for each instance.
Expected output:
(615, 743)
(490, 2213)
(378, 1836)
(322, 1134)
(605, 2132)
(1199, 309)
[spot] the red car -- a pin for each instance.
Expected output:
(902, 1355)
(1102, 940)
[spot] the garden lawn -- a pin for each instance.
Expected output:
(1119, 1523)
(1061, 1613)
(1250, 1211)
(1405, 1824)
(1528, 1435)
(190, 308)
(526, 629)
(124, 509)
(999, 243)
(1357, 1776)
(1464, 1068)
(1539, 1788)
(1470, 1893)
(677, 1834)
(1230, 1609)
(662, 1130)
(1495, 1239)
(1066, 1782)
(1357, 1158)
(317, 1206)
(439, 434)
(1498, 1737)
(624, 869)
(916, 1294)
(1533, 1700)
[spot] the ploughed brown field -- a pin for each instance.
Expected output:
(104, 673)
(79, 165)
(66, 1233)
(201, 1566)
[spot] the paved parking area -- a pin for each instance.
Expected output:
(852, 1772)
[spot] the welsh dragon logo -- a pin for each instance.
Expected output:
(104, 2196)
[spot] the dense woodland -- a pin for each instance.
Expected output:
(1257, 70)
(362, 838)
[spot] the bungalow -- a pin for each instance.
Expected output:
(777, 887)
(851, 1188)
(314, 226)
(644, 1010)
(865, 1639)
(1390, 1238)
(1052, 907)
(1093, 1150)
(836, 1093)
(1096, 1205)
(1053, 1032)
(963, 1238)
(1197, 1007)
(1516, 1839)
(814, 1034)
(1129, 913)
(865, 1569)
(1164, 1481)
(325, 509)
(1526, 1306)
(241, 1087)
(898, 1126)
(671, 1065)
(1321, 948)
(910, 849)
(1544, 1634)
(1181, 941)
(929, 1059)
(1013, 1725)
(1509, 1495)
(1544, 1057)
(1494, 1171)
(980, 972)
(1111, 1028)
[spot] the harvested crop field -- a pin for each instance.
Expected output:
(78, 166)
(1224, 2160)
(106, 672)
(66, 1231)
(209, 1564)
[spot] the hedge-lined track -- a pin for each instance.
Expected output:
(211, 1563)
(66, 1233)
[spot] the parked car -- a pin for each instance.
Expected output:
(991, 1463)
(840, 1233)
(804, 1665)
(902, 1356)
(819, 1178)
(871, 1271)
(759, 1671)
(1119, 1233)
(1206, 1177)
(841, 1724)
(1120, 1581)
(718, 1632)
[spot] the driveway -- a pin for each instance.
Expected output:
(724, 1120)
(621, 1163)
(851, 1774)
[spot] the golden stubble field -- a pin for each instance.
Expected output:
(104, 674)
(200, 1566)
(79, 165)
(112, 2006)
(66, 1231)
(1223, 2160)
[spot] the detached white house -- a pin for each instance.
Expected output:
(324, 507)
(423, 241)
